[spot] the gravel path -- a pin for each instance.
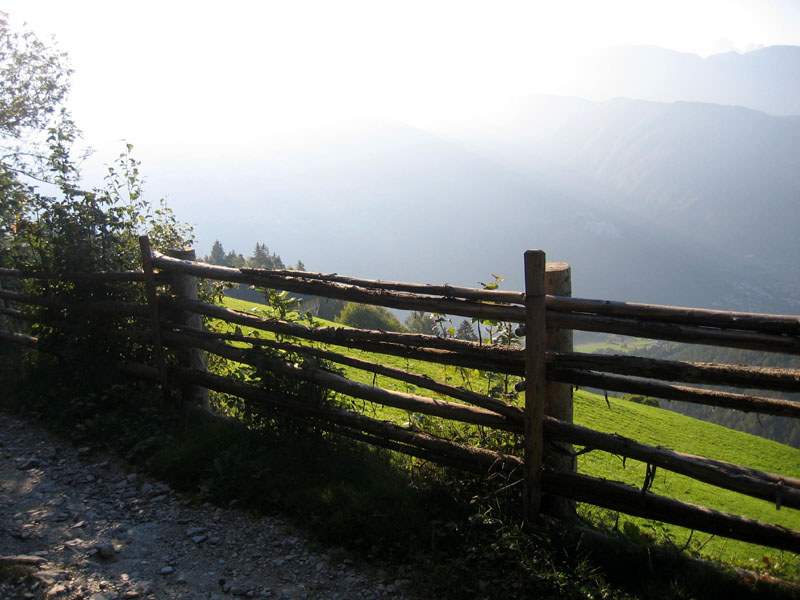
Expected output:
(84, 526)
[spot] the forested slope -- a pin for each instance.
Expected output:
(781, 429)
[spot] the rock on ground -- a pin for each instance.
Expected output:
(75, 524)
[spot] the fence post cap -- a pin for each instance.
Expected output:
(185, 253)
(557, 266)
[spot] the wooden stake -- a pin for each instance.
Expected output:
(3, 321)
(559, 456)
(535, 385)
(152, 301)
(184, 285)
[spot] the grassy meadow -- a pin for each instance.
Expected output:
(618, 344)
(647, 424)
(661, 427)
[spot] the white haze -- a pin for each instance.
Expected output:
(364, 137)
(195, 78)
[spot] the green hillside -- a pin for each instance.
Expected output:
(469, 378)
(785, 430)
(672, 430)
(649, 425)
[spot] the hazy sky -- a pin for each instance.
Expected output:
(186, 76)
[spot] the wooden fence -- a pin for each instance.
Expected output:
(546, 365)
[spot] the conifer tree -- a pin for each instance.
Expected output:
(217, 256)
(466, 332)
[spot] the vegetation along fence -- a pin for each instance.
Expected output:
(541, 454)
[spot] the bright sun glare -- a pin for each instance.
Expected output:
(276, 70)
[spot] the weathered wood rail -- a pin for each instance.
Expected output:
(546, 365)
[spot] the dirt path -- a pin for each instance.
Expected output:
(83, 526)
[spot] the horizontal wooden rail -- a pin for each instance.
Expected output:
(446, 290)
(462, 464)
(331, 289)
(782, 491)
(690, 334)
(19, 338)
(425, 347)
(633, 501)
(337, 383)
(743, 402)
(111, 276)
(483, 459)
(765, 323)
(782, 380)
(13, 312)
(107, 306)
(480, 460)
(422, 381)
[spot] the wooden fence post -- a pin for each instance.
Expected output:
(185, 286)
(558, 404)
(155, 321)
(3, 320)
(534, 381)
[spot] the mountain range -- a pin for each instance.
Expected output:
(723, 182)
(677, 202)
(767, 79)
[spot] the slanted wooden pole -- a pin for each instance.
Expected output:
(558, 396)
(184, 285)
(3, 321)
(155, 322)
(535, 384)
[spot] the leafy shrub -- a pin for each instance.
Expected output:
(365, 316)
(66, 227)
(646, 400)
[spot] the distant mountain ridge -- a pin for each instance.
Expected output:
(767, 79)
(666, 199)
(727, 178)
(393, 202)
